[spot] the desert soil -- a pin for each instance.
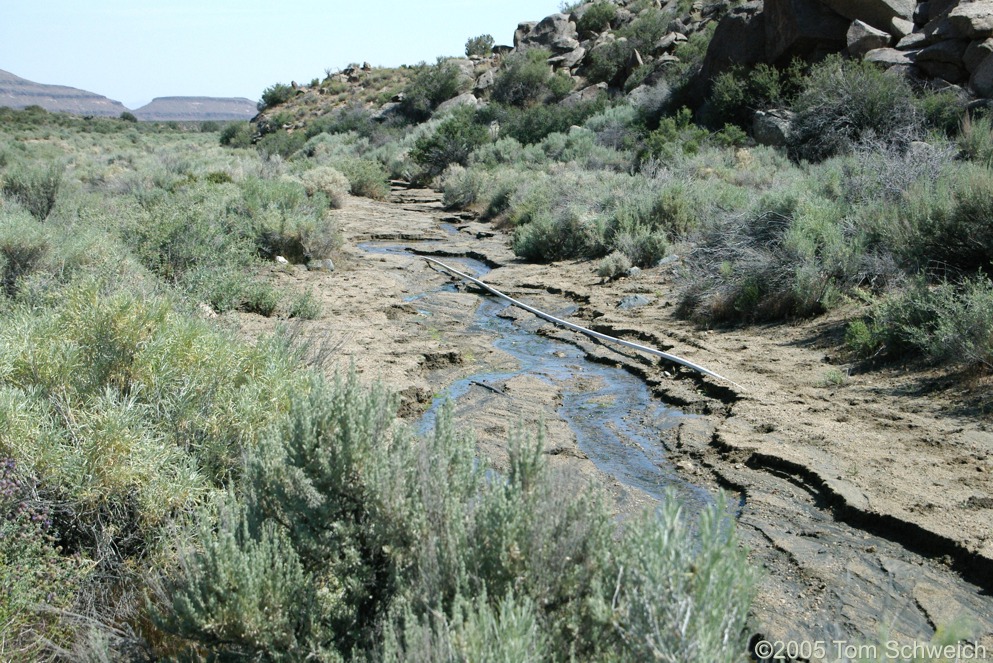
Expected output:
(867, 495)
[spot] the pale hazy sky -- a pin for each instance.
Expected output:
(134, 50)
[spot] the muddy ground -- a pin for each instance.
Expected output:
(868, 494)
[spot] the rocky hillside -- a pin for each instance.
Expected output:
(195, 109)
(17, 92)
(667, 54)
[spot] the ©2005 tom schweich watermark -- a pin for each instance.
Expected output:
(891, 650)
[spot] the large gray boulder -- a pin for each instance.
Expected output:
(738, 40)
(877, 13)
(973, 20)
(949, 51)
(523, 30)
(982, 78)
(802, 28)
(556, 32)
(772, 127)
(976, 52)
(863, 38)
(467, 99)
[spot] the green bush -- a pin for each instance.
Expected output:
(332, 183)
(736, 94)
(366, 178)
(597, 17)
(451, 143)
(430, 86)
(481, 45)
(976, 139)
(274, 95)
(526, 79)
(237, 134)
(461, 187)
(570, 233)
(36, 189)
(844, 102)
(531, 125)
(24, 246)
(791, 257)
(281, 143)
(614, 266)
(946, 323)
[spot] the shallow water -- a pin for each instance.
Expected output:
(616, 420)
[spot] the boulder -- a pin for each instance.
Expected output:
(738, 40)
(802, 28)
(913, 40)
(877, 13)
(651, 98)
(523, 30)
(556, 32)
(982, 78)
(386, 111)
(946, 71)
(900, 27)
(949, 51)
(323, 265)
(890, 57)
(485, 80)
(863, 38)
(940, 8)
(973, 20)
(939, 29)
(634, 301)
(568, 60)
(923, 13)
(467, 99)
(772, 127)
(975, 53)
(586, 94)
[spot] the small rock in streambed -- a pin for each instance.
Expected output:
(634, 301)
(323, 265)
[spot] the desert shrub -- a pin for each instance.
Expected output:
(274, 95)
(507, 151)
(461, 187)
(675, 135)
(36, 189)
(281, 143)
(975, 139)
(36, 582)
(615, 265)
(332, 183)
(430, 86)
(568, 233)
(237, 134)
(597, 17)
(942, 225)
(366, 177)
(481, 45)
(736, 94)
(941, 112)
(531, 125)
(614, 125)
(844, 102)
(793, 256)
(24, 245)
(945, 323)
(245, 593)
(305, 307)
(526, 79)
(451, 143)
(677, 591)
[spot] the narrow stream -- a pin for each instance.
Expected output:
(616, 420)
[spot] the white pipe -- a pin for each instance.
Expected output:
(584, 330)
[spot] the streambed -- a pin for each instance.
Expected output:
(612, 414)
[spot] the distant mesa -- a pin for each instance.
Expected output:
(17, 92)
(187, 109)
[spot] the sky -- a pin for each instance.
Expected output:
(135, 50)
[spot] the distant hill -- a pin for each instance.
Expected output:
(17, 92)
(187, 109)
